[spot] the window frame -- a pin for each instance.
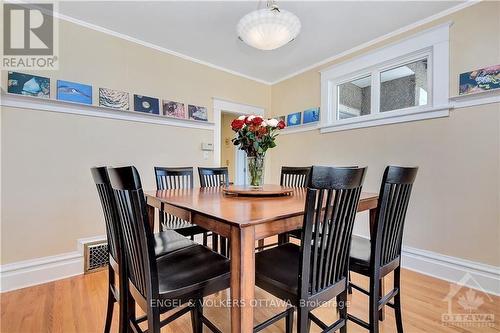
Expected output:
(432, 44)
(425, 54)
(337, 85)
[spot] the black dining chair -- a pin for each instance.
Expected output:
(177, 178)
(316, 271)
(216, 177)
(165, 242)
(290, 177)
(160, 284)
(213, 177)
(381, 256)
(293, 177)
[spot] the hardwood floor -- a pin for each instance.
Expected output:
(77, 304)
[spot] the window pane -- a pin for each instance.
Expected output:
(354, 98)
(404, 86)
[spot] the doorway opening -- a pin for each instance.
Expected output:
(231, 157)
(225, 152)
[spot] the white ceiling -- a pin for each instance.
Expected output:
(206, 30)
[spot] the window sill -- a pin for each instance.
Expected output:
(391, 117)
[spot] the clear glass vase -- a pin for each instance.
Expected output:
(255, 171)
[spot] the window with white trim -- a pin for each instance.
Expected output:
(404, 81)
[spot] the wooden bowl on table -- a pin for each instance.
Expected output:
(267, 190)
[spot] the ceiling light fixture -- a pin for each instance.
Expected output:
(270, 28)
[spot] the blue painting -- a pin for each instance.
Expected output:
(74, 92)
(293, 119)
(480, 80)
(146, 104)
(27, 84)
(311, 115)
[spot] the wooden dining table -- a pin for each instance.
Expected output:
(243, 220)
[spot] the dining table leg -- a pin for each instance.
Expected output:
(242, 278)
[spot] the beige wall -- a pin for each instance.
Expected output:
(49, 200)
(455, 204)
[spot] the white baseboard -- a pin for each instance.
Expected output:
(452, 269)
(41, 270)
(472, 274)
(31, 272)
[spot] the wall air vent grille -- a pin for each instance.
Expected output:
(96, 256)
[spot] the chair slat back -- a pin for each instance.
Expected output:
(295, 176)
(173, 178)
(213, 177)
(101, 180)
(170, 179)
(136, 234)
(331, 206)
(394, 197)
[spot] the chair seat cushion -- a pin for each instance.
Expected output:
(277, 270)
(194, 270)
(169, 241)
(360, 253)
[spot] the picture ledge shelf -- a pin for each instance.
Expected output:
(52, 105)
(480, 98)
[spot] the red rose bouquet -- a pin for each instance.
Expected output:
(255, 135)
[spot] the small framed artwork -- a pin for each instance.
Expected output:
(74, 92)
(281, 118)
(293, 119)
(114, 99)
(198, 112)
(311, 115)
(29, 85)
(146, 104)
(480, 80)
(174, 109)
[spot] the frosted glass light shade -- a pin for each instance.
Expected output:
(268, 29)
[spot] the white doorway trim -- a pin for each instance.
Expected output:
(240, 165)
(228, 107)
